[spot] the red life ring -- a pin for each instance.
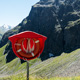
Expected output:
(22, 49)
(25, 51)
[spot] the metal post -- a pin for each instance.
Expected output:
(27, 70)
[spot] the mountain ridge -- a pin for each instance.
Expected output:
(52, 20)
(60, 22)
(4, 28)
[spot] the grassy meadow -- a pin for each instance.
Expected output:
(64, 67)
(23, 77)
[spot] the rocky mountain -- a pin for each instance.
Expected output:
(59, 20)
(0, 36)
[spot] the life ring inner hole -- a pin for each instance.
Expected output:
(28, 45)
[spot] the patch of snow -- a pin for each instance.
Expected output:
(51, 55)
(5, 28)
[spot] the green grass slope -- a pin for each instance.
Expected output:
(61, 66)
(67, 65)
(14, 66)
(21, 77)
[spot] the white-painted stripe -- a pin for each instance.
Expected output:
(19, 50)
(37, 41)
(18, 44)
(32, 54)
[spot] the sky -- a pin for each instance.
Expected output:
(12, 12)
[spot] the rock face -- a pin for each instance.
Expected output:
(0, 36)
(56, 19)
(72, 36)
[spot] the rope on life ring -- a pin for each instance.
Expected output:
(22, 52)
